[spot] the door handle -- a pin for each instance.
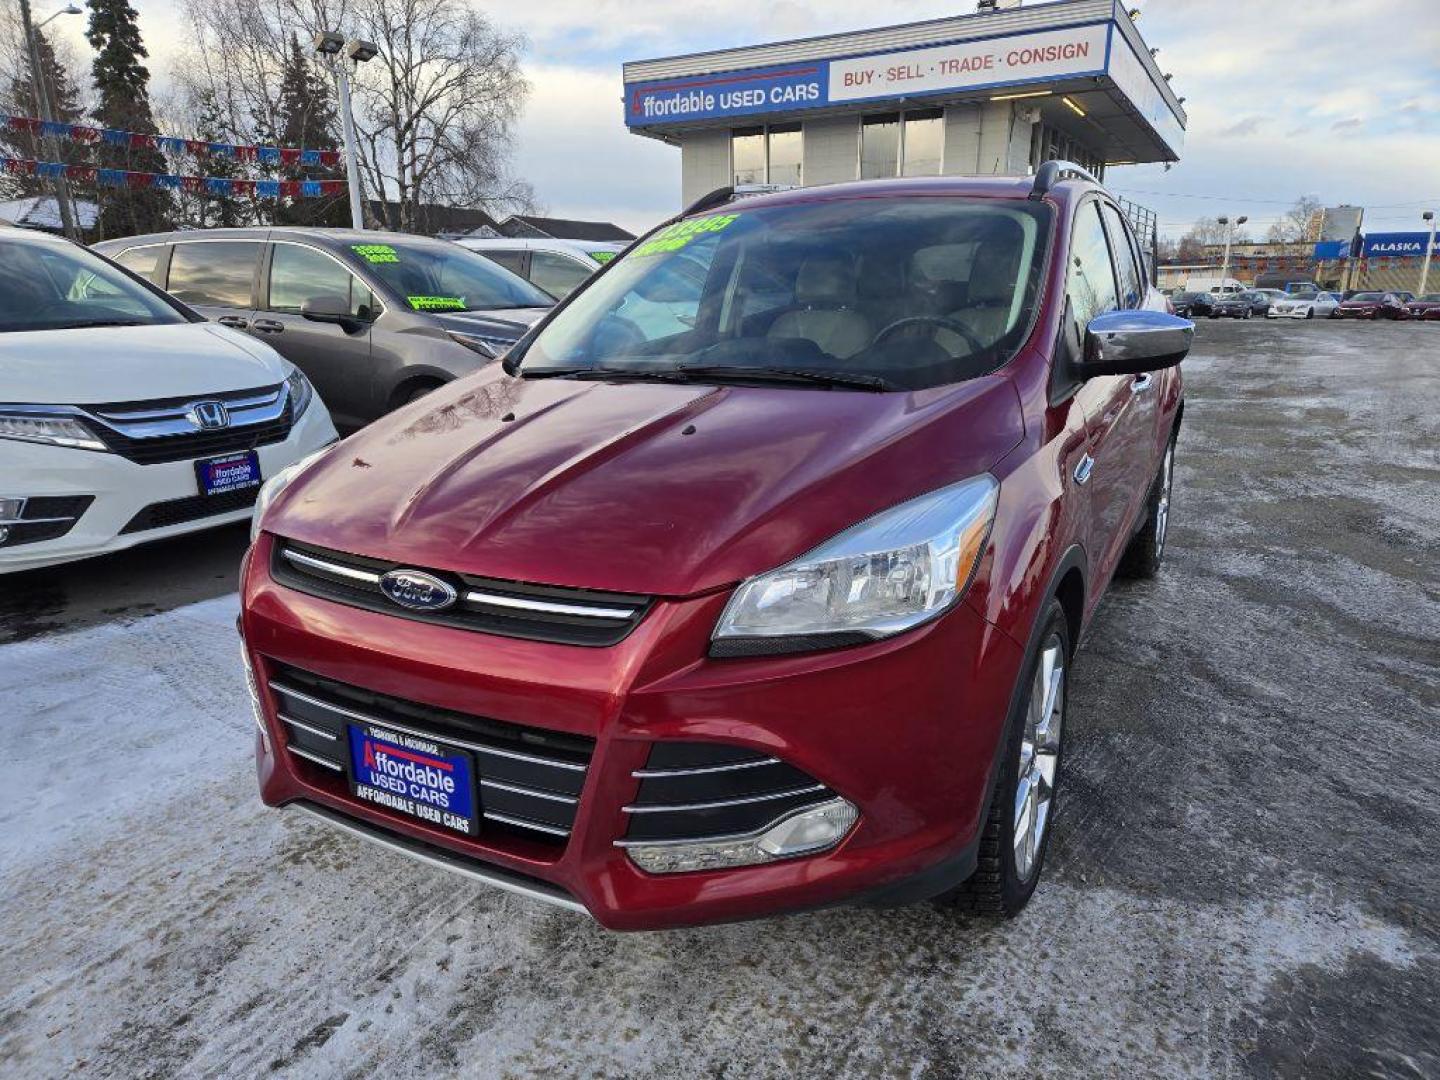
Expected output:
(267, 326)
(1084, 468)
(1142, 383)
(232, 320)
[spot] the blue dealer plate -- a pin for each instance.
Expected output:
(232, 472)
(413, 776)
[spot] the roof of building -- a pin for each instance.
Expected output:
(43, 212)
(530, 225)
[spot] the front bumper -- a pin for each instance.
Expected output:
(905, 729)
(121, 489)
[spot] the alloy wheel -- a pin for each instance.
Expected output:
(1039, 756)
(1162, 504)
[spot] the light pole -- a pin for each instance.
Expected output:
(1229, 235)
(329, 44)
(42, 99)
(1429, 216)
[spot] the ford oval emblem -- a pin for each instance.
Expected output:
(417, 590)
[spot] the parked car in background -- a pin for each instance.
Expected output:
(126, 417)
(1240, 306)
(1425, 307)
(1372, 305)
(1193, 305)
(765, 609)
(557, 266)
(1321, 305)
(374, 319)
(1214, 285)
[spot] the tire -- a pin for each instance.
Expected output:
(1310, 314)
(1147, 548)
(416, 392)
(1009, 864)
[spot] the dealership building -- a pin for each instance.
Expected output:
(994, 92)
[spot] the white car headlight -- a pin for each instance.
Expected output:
(271, 489)
(301, 393)
(56, 429)
(886, 575)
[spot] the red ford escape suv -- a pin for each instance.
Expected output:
(751, 583)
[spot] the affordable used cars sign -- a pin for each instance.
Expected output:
(993, 62)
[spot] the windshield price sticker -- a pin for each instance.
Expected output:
(436, 303)
(376, 253)
(674, 237)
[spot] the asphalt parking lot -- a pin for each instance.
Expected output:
(1242, 880)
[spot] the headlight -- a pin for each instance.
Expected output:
(487, 346)
(53, 428)
(884, 576)
(301, 393)
(271, 489)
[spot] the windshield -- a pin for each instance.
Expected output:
(1366, 296)
(437, 276)
(899, 293)
(1429, 298)
(45, 286)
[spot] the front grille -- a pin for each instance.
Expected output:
(191, 508)
(529, 779)
(508, 608)
(154, 432)
(706, 791)
(44, 517)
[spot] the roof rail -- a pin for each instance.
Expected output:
(718, 197)
(1052, 172)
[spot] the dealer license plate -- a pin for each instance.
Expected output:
(413, 776)
(232, 472)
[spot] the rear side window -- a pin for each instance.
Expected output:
(298, 274)
(1091, 282)
(557, 274)
(215, 273)
(514, 261)
(1126, 270)
(141, 260)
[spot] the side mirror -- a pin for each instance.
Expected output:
(326, 308)
(1134, 342)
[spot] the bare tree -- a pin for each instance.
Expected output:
(435, 111)
(1205, 233)
(1300, 223)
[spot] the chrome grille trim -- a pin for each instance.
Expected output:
(549, 607)
(506, 819)
(173, 420)
(535, 793)
(325, 566)
(682, 807)
(496, 878)
(320, 732)
(700, 770)
(404, 729)
(316, 758)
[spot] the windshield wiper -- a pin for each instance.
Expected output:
(85, 324)
(597, 373)
(745, 373)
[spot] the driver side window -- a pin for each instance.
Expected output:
(1090, 284)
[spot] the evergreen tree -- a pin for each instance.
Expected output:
(217, 211)
(123, 83)
(64, 106)
(307, 118)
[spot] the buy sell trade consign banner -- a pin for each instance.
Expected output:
(1011, 60)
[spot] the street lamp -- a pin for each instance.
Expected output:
(1428, 215)
(1229, 235)
(328, 44)
(42, 99)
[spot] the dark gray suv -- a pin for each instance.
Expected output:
(374, 319)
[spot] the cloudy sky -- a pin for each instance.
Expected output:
(1334, 98)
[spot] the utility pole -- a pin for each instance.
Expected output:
(1429, 216)
(42, 99)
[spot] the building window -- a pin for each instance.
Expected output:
(896, 144)
(879, 145)
(921, 142)
(767, 155)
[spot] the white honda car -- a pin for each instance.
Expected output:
(124, 416)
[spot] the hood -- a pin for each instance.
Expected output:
(500, 322)
(132, 363)
(636, 487)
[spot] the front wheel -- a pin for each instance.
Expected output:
(1310, 314)
(1146, 551)
(1016, 832)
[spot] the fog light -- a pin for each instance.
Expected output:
(11, 509)
(803, 832)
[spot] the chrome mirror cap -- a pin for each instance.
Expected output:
(1132, 342)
